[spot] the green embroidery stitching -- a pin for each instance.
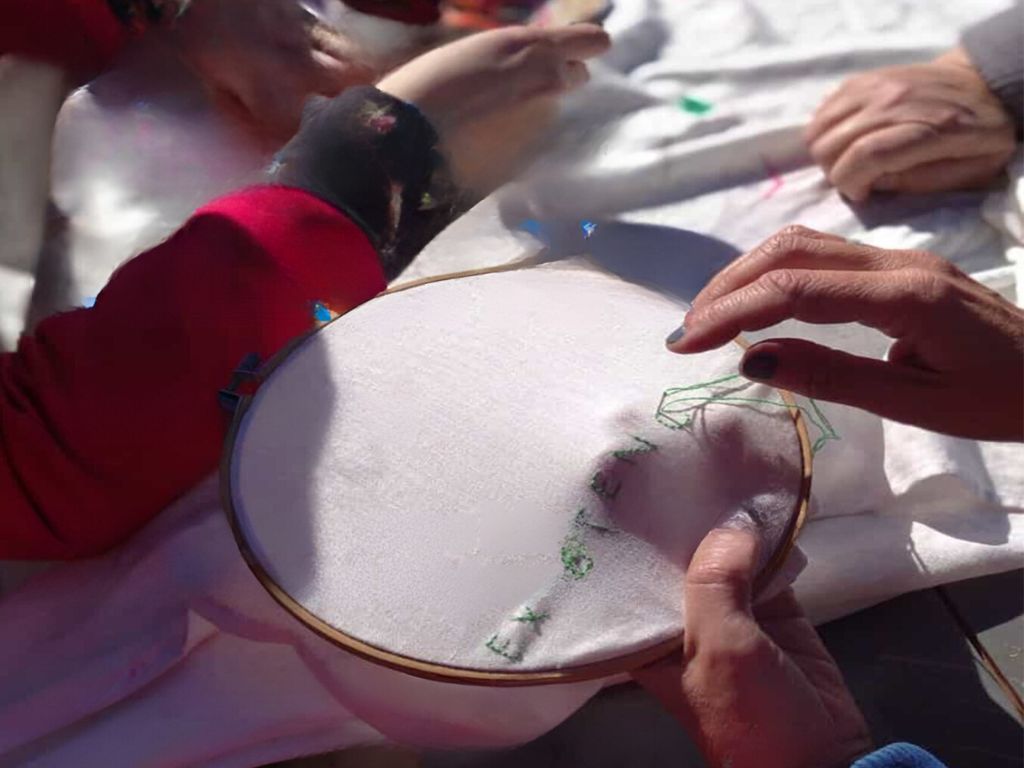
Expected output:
(624, 454)
(822, 423)
(576, 560)
(600, 485)
(531, 618)
(675, 411)
(502, 649)
(667, 412)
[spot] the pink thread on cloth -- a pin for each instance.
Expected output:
(776, 179)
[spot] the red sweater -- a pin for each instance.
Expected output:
(79, 35)
(108, 414)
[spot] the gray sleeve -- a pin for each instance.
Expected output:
(996, 46)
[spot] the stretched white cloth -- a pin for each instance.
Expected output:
(897, 509)
(507, 473)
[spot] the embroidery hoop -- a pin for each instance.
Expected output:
(432, 671)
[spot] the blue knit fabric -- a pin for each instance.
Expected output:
(899, 756)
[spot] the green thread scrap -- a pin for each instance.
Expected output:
(694, 105)
(529, 616)
(671, 397)
(501, 649)
(576, 559)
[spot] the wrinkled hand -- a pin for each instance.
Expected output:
(957, 363)
(491, 94)
(755, 687)
(920, 128)
(264, 57)
(482, 73)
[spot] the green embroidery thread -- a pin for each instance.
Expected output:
(626, 454)
(822, 423)
(675, 411)
(531, 618)
(667, 412)
(502, 649)
(576, 560)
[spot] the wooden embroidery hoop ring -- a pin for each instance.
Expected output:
(440, 673)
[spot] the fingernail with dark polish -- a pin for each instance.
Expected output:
(760, 366)
(675, 336)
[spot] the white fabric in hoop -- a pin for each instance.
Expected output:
(506, 472)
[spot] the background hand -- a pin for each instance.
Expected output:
(458, 82)
(957, 365)
(755, 687)
(922, 128)
(490, 96)
(264, 58)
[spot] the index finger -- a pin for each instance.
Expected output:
(881, 300)
(792, 239)
(719, 586)
(801, 248)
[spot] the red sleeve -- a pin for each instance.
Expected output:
(108, 414)
(79, 35)
(420, 12)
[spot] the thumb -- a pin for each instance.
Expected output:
(719, 582)
(887, 389)
(717, 590)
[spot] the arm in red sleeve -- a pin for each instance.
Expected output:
(108, 414)
(79, 35)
